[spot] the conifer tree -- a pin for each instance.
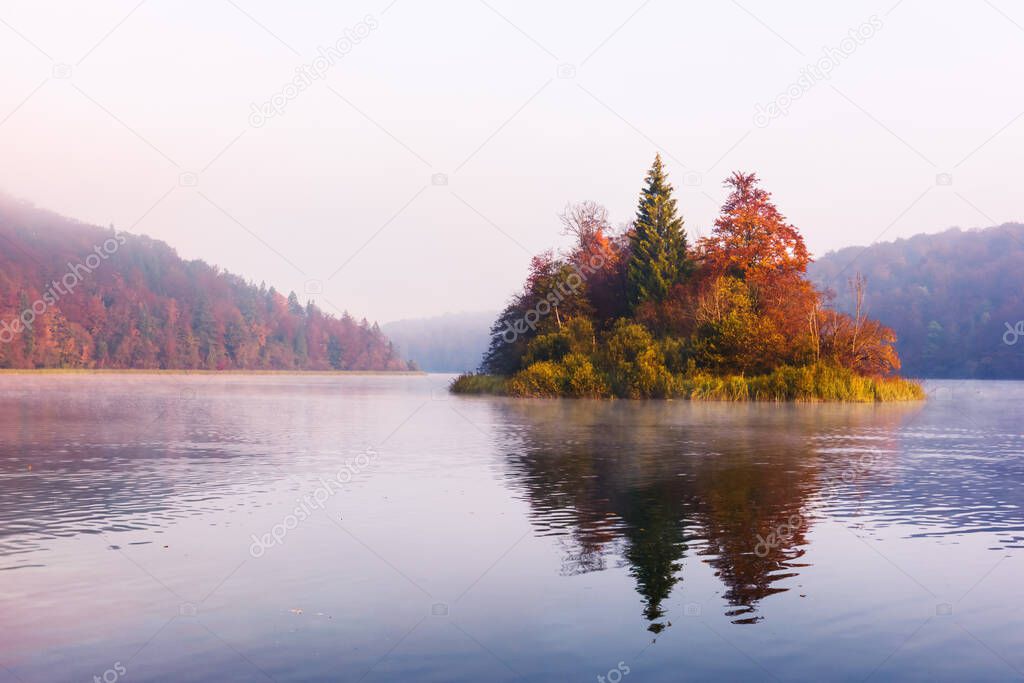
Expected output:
(659, 251)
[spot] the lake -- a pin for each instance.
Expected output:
(374, 528)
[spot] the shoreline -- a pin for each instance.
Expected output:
(784, 385)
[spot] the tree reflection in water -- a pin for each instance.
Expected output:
(647, 484)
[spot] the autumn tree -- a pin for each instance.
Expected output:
(856, 341)
(732, 335)
(659, 256)
(587, 222)
(752, 239)
(601, 255)
(754, 243)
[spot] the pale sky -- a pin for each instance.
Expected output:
(524, 106)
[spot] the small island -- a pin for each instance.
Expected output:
(642, 313)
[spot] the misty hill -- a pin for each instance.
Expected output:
(454, 342)
(948, 296)
(79, 296)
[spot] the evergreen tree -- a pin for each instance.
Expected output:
(335, 353)
(659, 252)
(293, 304)
(28, 334)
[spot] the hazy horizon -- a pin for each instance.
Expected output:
(141, 115)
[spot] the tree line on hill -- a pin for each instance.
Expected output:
(955, 299)
(79, 296)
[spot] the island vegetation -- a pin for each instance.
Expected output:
(642, 313)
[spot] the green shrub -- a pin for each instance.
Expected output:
(635, 363)
(580, 333)
(576, 335)
(547, 347)
(677, 355)
(582, 380)
(544, 378)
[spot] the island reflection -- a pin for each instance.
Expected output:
(648, 484)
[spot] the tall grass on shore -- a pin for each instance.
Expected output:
(812, 383)
(805, 384)
(479, 384)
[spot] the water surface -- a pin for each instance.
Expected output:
(343, 528)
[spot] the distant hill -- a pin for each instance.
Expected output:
(949, 297)
(79, 296)
(454, 342)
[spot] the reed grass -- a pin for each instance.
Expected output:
(812, 383)
(473, 383)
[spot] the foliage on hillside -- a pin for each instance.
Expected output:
(79, 296)
(643, 315)
(955, 299)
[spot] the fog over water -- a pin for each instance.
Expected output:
(376, 528)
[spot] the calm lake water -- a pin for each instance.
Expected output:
(306, 528)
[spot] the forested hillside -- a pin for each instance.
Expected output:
(955, 299)
(79, 296)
